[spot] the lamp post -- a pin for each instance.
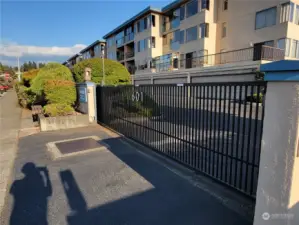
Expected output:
(103, 64)
(19, 72)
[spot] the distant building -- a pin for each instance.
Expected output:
(91, 51)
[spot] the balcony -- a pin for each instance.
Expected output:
(171, 25)
(129, 37)
(120, 42)
(120, 56)
(249, 54)
(130, 54)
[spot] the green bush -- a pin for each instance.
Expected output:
(58, 110)
(52, 71)
(26, 96)
(254, 98)
(29, 76)
(115, 73)
(60, 92)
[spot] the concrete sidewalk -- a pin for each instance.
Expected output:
(126, 184)
(10, 115)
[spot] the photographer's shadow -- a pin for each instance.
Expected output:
(31, 195)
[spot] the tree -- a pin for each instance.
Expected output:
(115, 73)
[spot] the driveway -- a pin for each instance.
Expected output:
(123, 185)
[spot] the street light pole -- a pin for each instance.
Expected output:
(19, 72)
(103, 64)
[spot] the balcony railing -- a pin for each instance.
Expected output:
(129, 54)
(249, 54)
(120, 56)
(129, 37)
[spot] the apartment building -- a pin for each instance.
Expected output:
(96, 49)
(198, 33)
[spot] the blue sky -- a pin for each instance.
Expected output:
(54, 30)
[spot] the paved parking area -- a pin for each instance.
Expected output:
(123, 185)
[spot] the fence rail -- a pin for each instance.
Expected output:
(213, 128)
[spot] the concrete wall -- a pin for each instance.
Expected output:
(63, 122)
(245, 71)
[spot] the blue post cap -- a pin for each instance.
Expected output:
(284, 70)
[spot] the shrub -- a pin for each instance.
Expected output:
(58, 110)
(60, 92)
(254, 98)
(115, 73)
(26, 96)
(52, 71)
(29, 76)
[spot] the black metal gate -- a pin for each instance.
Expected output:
(214, 128)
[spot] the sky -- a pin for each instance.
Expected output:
(54, 30)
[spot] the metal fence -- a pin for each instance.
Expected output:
(211, 128)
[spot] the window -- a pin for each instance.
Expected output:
(138, 46)
(182, 37)
(203, 30)
(284, 43)
(205, 4)
(269, 43)
(223, 30)
(265, 18)
(295, 49)
(191, 34)
(297, 15)
(192, 8)
(225, 4)
(287, 12)
(182, 12)
(153, 20)
(153, 42)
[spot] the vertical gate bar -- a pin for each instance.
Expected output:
(219, 156)
(161, 128)
(201, 103)
(215, 156)
(191, 125)
(227, 137)
(187, 119)
(211, 153)
(233, 158)
(196, 138)
(238, 134)
(255, 137)
(224, 157)
(173, 120)
(208, 147)
(158, 145)
(243, 138)
(181, 123)
(183, 130)
(167, 119)
(155, 119)
(148, 121)
(249, 141)
(201, 128)
(204, 129)
(176, 118)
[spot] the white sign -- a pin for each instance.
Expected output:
(137, 96)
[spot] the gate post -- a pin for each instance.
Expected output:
(277, 199)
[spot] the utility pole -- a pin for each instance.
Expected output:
(103, 64)
(19, 72)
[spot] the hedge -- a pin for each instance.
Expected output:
(29, 76)
(60, 92)
(26, 96)
(58, 110)
(52, 71)
(115, 73)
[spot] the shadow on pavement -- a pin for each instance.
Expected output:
(172, 200)
(31, 195)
